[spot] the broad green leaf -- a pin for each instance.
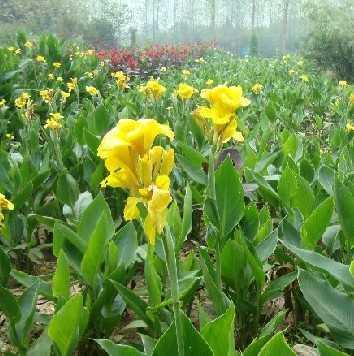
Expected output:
(344, 200)
(64, 328)
(61, 278)
(194, 344)
(229, 197)
(92, 214)
(287, 185)
(276, 287)
(67, 189)
(113, 349)
(351, 268)
(334, 308)
(42, 346)
(27, 304)
(61, 233)
(315, 225)
(336, 269)
(273, 324)
(187, 214)
(127, 243)
(326, 350)
(219, 333)
(5, 267)
(9, 305)
(152, 278)
(304, 189)
(256, 345)
(266, 247)
(93, 257)
(277, 345)
(326, 177)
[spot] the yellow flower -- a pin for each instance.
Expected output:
(10, 136)
(54, 121)
(186, 72)
(29, 44)
(59, 79)
(92, 90)
(11, 49)
(4, 205)
(343, 83)
(209, 82)
(22, 100)
(153, 89)
(51, 76)
(257, 88)
(2, 102)
(350, 126)
(136, 165)
(304, 78)
(47, 95)
(185, 91)
(40, 59)
(121, 79)
(64, 95)
(18, 51)
(292, 71)
(163, 69)
(200, 60)
(56, 65)
(72, 85)
(219, 120)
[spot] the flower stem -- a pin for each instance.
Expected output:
(173, 276)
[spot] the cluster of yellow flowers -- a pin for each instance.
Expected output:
(343, 83)
(350, 126)
(219, 120)
(153, 89)
(22, 100)
(4, 205)
(305, 78)
(92, 91)
(121, 79)
(54, 121)
(72, 85)
(257, 88)
(185, 91)
(135, 164)
(2, 103)
(47, 95)
(64, 96)
(29, 44)
(40, 59)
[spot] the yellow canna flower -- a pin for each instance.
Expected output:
(51, 76)
(186, 72)
(292, 71)
(22, 100)
(54, 121)
(60, 79)
(257, 88)
(64, 95)
(72, 85)
(56, 65)
(2, 102)
(304, 78)
(185, 91)
(4, 205)
(209, 82)
(47, 95)
(11, 49)
(121, 79)
(136, 165)
(350, 127)
(343, 83)
(40, 59)
(92, 90)
(163, 69)
(153, 89)
(29, 44)
(18, 51)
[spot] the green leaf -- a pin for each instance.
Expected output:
(287, 186)
(326, 350)
(93, 257)
(276, 287)
(152, 278)
(229, 197)
(127, 243)
(92, 214)
(326, 177)
(304, 190)
(331, 306)
(67, 189)
(61, 233)
(113, 349)
(194, 344)
(61, 278)
(27, 304)
(187, 214)
(219, 333)
(277, 345)
(273, 324)
(334, 268)
(5, 267)
(64, 328)
(9, 306)
(256, 345)
(315, 225)
(42, 346)
(344, 200)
